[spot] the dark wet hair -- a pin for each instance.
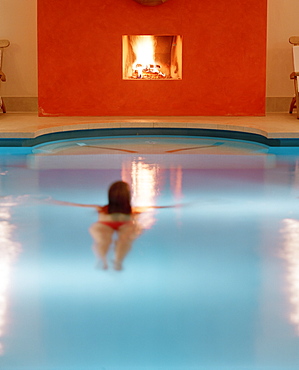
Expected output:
(119, 196)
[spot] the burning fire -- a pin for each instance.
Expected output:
(152, 57)
(145, 65)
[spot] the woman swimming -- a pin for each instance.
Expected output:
(117, 217)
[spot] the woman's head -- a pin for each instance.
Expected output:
(119, 196)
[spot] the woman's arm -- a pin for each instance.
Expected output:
(144, 209)
(60, 202)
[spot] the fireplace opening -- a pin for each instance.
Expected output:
(152, 57)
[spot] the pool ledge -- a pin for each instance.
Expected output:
(27, 130)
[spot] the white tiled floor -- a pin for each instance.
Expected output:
(29, 125)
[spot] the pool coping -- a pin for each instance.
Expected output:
(27, 130)
(89, 133)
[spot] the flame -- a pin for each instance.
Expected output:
(144, 49)
(145, 65)
(151, 57)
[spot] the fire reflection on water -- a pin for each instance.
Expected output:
(8, 253)
(290, 231)
(144, 181)
(176, 180)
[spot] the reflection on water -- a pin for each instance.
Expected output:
(144, 180)
(8, 253)
(290, 231)
(176, 181)
(173, 307)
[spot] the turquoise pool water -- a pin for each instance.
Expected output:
(211, 284)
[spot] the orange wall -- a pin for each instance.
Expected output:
(79, 58)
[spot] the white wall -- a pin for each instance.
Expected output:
(18, 24)
(283, 22)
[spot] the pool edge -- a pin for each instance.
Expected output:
(135, 131)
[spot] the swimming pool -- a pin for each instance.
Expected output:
(211, 284)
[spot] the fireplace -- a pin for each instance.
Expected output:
(210, 59)
(152, 57)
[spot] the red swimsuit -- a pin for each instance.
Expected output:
(113, 220)
(115, 225)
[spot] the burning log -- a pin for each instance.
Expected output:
(151, 71)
